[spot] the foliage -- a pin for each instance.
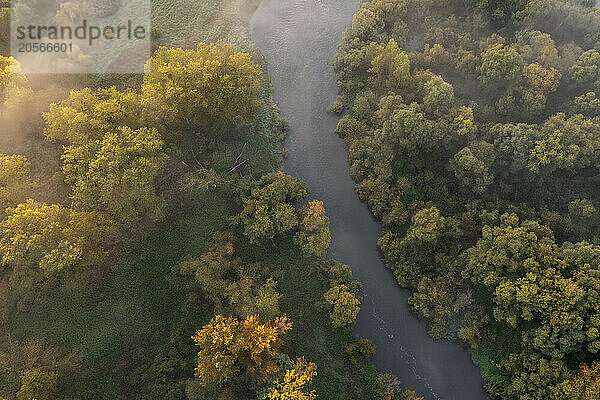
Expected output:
(15, 180)
(42, 242)
(292, 385)
(110, 165)
(267, 210)
(229, 346)
(314, 236)
(472, 130)
(14, 86)
(210, 88)
(344, 305)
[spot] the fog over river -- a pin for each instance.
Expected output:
(299, 40)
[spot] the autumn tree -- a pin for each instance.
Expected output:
(110, 158)
(229, 346)
(293, 385)
(15, 180)
(211, 87)
(14, 86)
(584, 385)
(41, 242)
(83, 118)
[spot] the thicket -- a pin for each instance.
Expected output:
(474, 135)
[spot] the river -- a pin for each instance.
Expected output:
(299, 39)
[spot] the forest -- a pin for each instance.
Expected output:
(150, 245)
(473, 130)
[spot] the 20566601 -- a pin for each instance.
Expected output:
(36, 47)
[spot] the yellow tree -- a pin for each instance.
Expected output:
(229, 346)
(110, 159)
(210, 88)
(14, 86)
(15, 182)
(39, 242)
(293, 385)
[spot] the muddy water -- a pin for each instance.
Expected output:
(299, 40)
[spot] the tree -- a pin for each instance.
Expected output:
(344, 305)
(40, 242)
(14, 86)
(508, 251)
(533, 376)
(293, 385)
(39, 384)
(390, 67)
(314, 235)
(542, 80)
(471, 171)
(587, 68)
(119, 177)
(33, 370)
(438, 98)
(229, 346)
(211, 88)
(501, 63)
(229, 284)
(566, 143)
(15, 182)
(584, 385)
(427, 225)
(86, 116)
(267, 210)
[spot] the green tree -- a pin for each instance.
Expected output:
(438, 98)
(314, 236)
(268, 210)
(566, 143)
(471, 171)
(501, 63)
(230, 285)
(344, 305)
(390, 67)
(533, 376)
(119, 177)
(587, 68)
